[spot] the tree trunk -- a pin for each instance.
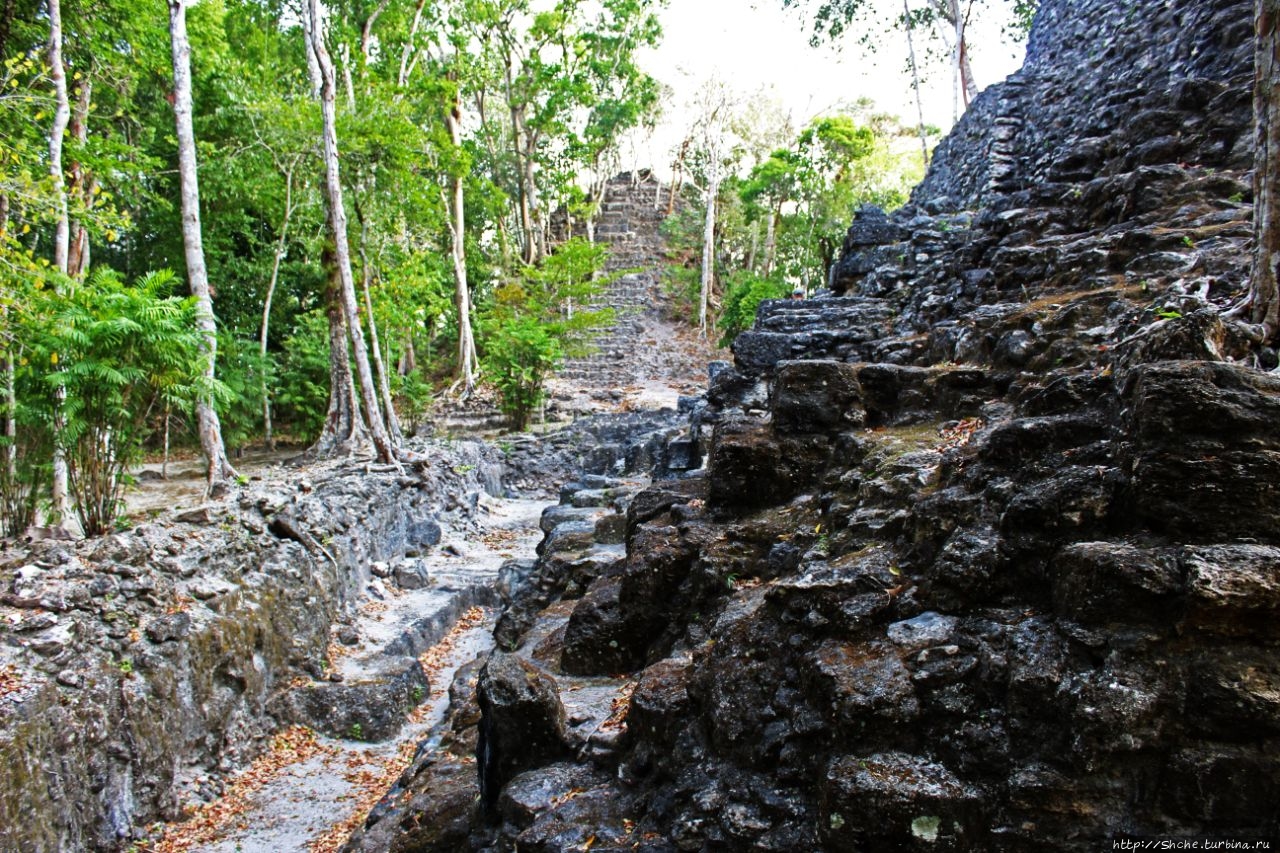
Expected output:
(708, 248)
(408, 357)
(458, 252)
(915, 83)
(219, 469)
(391, 422)
(407, 55)
(968, 85)
(82, 184)
(268, 438)
(366, 31)
(524, 161)
(57, 134)
(1265, 289)
(349, 86)
(342, 250)
(342, 432)
(60, 489)
(10, 388)
(770, 242)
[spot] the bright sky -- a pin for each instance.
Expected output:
(756, 44)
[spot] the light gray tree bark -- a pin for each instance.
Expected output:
(708, 245)
(219, 471)
(915, 83)
(386, 451)
(60, 487)
(467, 361)
(270, 295)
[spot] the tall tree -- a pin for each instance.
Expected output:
(383, 445)
(468, 364)
(218, 468)
(947, 20)
(1265, 289)
(60, 490)
(715, 149)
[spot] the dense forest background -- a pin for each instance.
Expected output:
(377, 183)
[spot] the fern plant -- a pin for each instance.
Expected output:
(122, 354)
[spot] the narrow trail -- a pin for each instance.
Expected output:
(307, 793)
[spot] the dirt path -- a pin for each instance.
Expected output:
(307, 793)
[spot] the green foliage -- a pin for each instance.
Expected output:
(537, 320)
(302, 390)
(833, 18)
(741, 299)
(121, 354)
(242, 371)
(781, 224)
(519, 353)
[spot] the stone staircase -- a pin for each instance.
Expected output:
(632, 209)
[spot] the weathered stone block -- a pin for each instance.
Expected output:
(816, 396)
(895, 800)
(522, 723)
(1105, 581)
(1206, 455)
(755, 352)
(864, 684)
(750, 466)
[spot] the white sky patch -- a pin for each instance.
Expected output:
(756, 46)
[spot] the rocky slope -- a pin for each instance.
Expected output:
(984, 555)
(140, 667)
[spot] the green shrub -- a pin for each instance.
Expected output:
(122, 354)
(302, 390)
(536, 321)
(742, 298)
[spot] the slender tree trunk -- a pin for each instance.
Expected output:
(915, 82)
(348, 86)
(210, 428)
(1265, 289)
(366, 31)
(708, 248)
(968, 86)
(82, 184)
(770, 242)
(407, 55)
(677, 175)
(467, 361)
(10, 417)
(60, 489)
(524, 161)
(391, 422)
(266, 306)
(386, 451)
(10, 372)
(408, 357)
(57, 135)
(342, 432)
(164, 461)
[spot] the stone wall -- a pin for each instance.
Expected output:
(984, 556)
(147, 659)
(1107, 87)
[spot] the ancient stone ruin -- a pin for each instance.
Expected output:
(983, 556)
(976, 552)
